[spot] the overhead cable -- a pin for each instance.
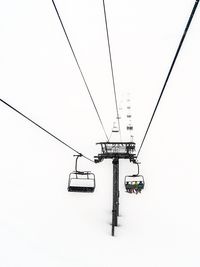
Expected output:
(36, 124)
(170, 70)
(80, 70)
(111, 65)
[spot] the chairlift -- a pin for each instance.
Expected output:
(81, 181)
(129, 116)
(134, 183)
(129, 107)
(115, 128)
(129, 127)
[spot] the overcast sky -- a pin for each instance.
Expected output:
(41, 224)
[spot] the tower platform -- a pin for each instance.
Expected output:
(119, 150)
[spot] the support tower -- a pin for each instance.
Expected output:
(116, 151)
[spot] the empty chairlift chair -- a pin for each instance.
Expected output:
(81, 181)
(115, 128)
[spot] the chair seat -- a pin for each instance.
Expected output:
(81, 189)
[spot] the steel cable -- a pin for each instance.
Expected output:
(111, 65)
(170, 70)
(80, 70)
(36, 124)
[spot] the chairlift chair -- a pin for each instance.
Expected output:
(81, 181)
(129, 127)
(134, 183)
(115, 128)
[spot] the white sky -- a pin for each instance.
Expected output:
(41, 224)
